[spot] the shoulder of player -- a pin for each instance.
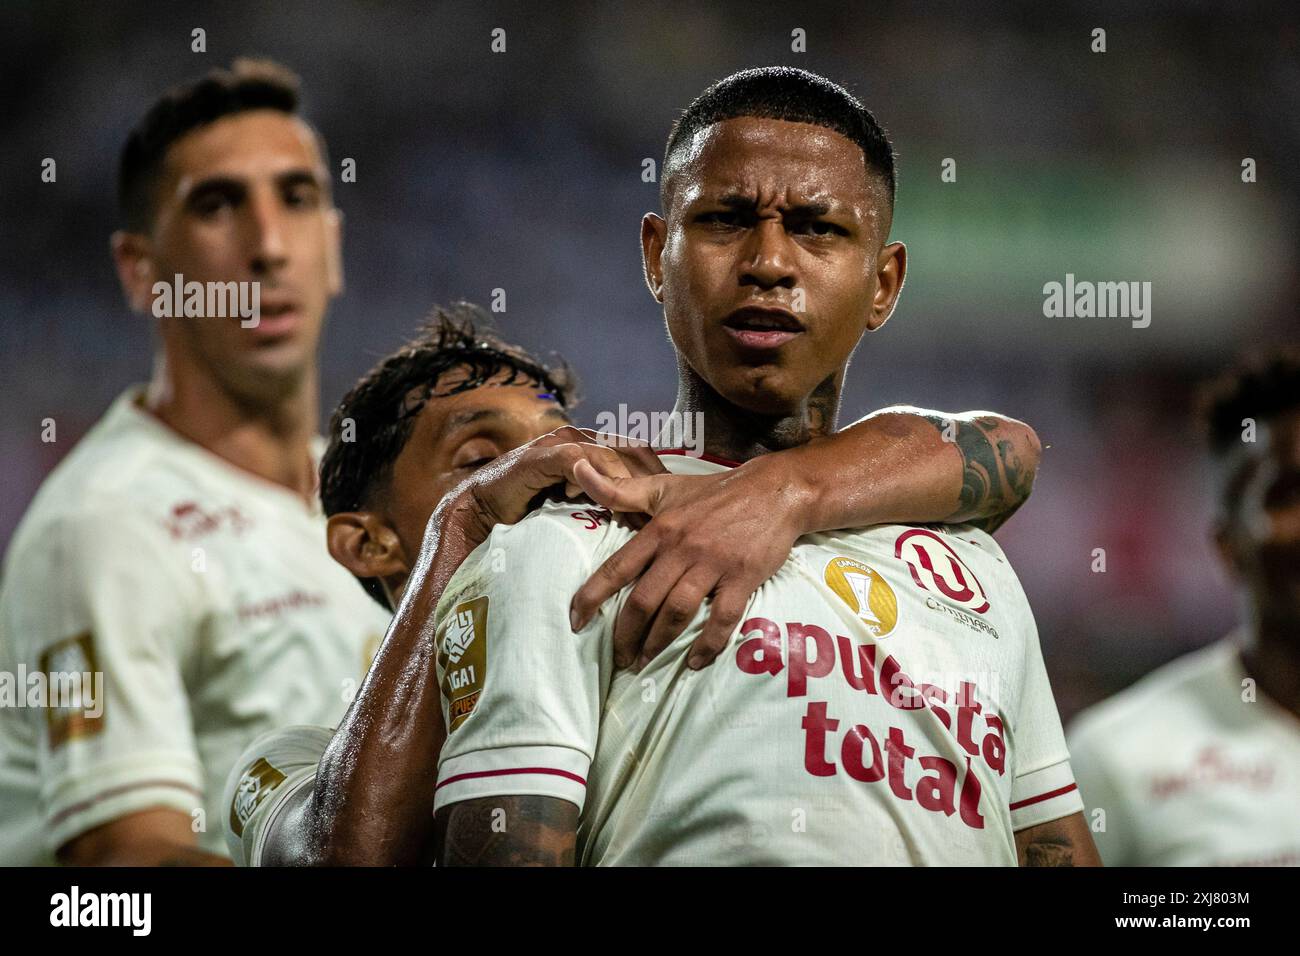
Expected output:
(563, 525)
(104, 476)
(1155, 703)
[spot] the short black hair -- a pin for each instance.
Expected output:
(247, 85)
(1261, 387)
(784, 93)
(379, 411)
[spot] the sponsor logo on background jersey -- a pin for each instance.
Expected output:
(867, 593)
(462, 659)
(255, 785)
(936, 567)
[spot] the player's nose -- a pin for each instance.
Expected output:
(268, 250)
(767, 260)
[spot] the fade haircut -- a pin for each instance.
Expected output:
(248, 85)
(782, 93)
(380, 409)
(1264, 386)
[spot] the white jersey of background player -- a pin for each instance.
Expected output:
(1198, 764)
(180, 548)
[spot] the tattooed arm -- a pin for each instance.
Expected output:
(1063, 842)
(915, 464)
(526, 830)
(900, 464)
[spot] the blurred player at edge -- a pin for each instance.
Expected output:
(1198, 763)
(179, 549)
(453, 404)
(884, 699)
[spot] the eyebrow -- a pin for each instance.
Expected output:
(469, 417)
(231, 184)
(475, 415)
(745, 203)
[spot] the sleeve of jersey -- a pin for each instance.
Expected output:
(102, 609)
(521, 692)
(1043, 788)
(275, 766)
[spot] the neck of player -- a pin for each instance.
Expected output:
(1272, 656)
(264, 428)
(738, 434)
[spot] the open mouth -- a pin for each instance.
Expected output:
(276, 317)
(762, 327)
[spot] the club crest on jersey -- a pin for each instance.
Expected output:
(462, 659)
(867, 593)
(255, 785)
(936, 567)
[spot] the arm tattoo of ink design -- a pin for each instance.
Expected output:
(526, 830)
(995, 480)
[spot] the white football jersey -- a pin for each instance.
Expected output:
(1191, 766)
(884, 702)
(202, 605)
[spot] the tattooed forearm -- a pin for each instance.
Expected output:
(507, 831)
(999, 462)
(1062, 842)
(1049, 852)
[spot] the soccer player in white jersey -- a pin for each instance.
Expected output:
(917, 728)
(1198, 763)
(436, 423)
(768, 381)
(177, 555)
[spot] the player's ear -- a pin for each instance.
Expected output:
(891, 267)
(653, 232)
(365, 545)
(334, 250)
(133, 258)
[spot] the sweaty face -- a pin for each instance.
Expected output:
(1265, 523)
(453, 436)
(770, 257)
(246, 199)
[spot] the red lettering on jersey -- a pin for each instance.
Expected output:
(967, 708)
(594, 517)
(931, 693)
(995, 748)
(816, 723)
(760, 655)
(894, 682)
(800, 667)
(970, 799)
(938, 793)
(851, 755)
(899, 752)
(866, 680)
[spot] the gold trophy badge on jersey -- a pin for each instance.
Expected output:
(865, 592)
(462, 659)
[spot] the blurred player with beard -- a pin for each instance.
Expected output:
(179, 549)
(883, 699)
(1198, 763)
(437, 464)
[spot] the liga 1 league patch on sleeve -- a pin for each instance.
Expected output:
(462, 659)
(74, 689)
(258, 782)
